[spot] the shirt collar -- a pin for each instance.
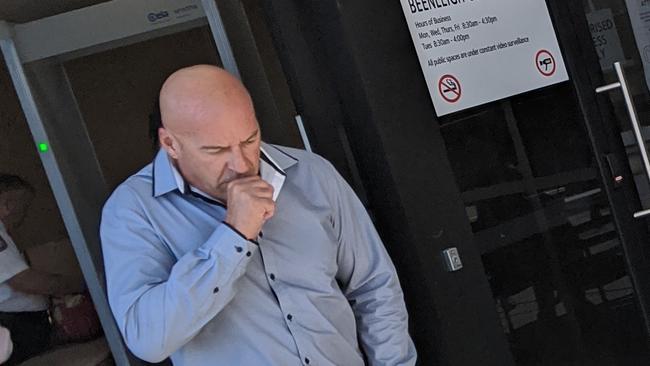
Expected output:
(280, 159)
(273, 163)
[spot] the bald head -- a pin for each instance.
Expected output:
(192, 93)
(209, 130)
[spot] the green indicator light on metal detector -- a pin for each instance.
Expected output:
(43, 147)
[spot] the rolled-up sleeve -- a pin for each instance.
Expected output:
(369, 280)
(161, 302)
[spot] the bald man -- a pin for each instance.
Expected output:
(229, 251)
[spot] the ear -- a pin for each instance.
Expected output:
(168, 142)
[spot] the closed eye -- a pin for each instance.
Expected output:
(252, 138)
(215, 151)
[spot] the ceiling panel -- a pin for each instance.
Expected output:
(21, 11)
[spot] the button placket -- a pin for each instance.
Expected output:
(269, 267)
(286, 307)
(276, 288)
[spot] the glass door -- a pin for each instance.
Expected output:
(620, 31)
(551, 245)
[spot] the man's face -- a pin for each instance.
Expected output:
(222, 145)
(13, 207)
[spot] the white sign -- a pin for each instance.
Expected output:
(639, 12)
(605, 38)
(476, 51)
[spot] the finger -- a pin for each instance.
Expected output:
(238, 186)
(263, 192)
(248, 182)
(254, 188)
(267, 204)
(269, 209)
(250, 179)
(245, 180)
(258, 184)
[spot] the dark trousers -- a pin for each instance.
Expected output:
(30, 334)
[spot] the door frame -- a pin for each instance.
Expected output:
(357, 62)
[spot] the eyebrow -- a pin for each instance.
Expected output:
(214, 147)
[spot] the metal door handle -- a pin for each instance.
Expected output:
(622, 83)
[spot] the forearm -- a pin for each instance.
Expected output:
(32, 281)
(382, 323)
(378, 304)
(370, 283)
(157, 317)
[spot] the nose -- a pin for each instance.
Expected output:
(237, 162)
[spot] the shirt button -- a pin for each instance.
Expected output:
(248, 254)
(239, 249)
(272, 276)
(216, 289)
(289, 316)
(307, 360)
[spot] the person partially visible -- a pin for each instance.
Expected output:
(24, 291)
(6, 347)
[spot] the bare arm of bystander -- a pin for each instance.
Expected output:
(32, 281)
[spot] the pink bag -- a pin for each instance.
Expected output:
(74, 319)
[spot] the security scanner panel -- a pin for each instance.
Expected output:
(45, 57)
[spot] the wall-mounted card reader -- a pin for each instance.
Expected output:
(452, 259)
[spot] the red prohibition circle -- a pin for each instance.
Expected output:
(539, 66)
(449, 88)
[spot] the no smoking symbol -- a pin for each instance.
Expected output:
(545, 63)
(449, 88)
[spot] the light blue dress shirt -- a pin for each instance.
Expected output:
(318, 287)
